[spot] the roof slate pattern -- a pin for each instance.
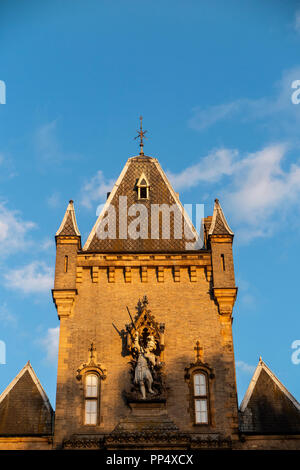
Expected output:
(270, 408)
(160, 192)
(68, 226)
(219, 225)
(24, 411)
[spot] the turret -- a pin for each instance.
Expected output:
(68, 242)
(220, 238)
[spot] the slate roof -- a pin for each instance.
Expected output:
(24, 407)
(219, 225)
(268, 407)
(160, 192)
(68, 227)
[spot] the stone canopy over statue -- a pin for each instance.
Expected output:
(145, 343)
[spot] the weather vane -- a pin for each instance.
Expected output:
(141, 135)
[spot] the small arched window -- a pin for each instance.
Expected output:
(201, 405)
(143, 187)
(91, 399)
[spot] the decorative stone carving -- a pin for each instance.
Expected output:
(91, 366)
(199, 364)
(64, 301)
(162, 439)
(225, 298)
(145, 343)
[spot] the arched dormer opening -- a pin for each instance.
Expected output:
(143, 187)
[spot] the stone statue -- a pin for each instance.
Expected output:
(151, 346)
(142, 372)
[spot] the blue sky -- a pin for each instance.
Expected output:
(213, 82)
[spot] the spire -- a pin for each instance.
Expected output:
(68, 227)
(219, 225)
(141, 135)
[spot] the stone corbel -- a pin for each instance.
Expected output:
(64, 301)
(225, 297)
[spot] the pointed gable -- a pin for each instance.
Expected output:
(137, 171)
(219, 225)
(268, 407)
(24, 406)
(68, 227)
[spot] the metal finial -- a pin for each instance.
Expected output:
(141, 135)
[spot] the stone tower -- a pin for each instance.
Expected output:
(145, 351)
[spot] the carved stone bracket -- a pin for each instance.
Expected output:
(64, 301)
(225, 297)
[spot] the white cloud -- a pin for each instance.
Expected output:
(257, 192)
(53, 201)
(48, 145)
(6, 317)
(262, 191)
(35, 277)
(244, 367)
(13, 231)
(50, 344)
(247, 295)
(46, 142)
(96, 189)
(207, 117)
(47, 244)
(274, 112)
(297, 21)
(211, 168)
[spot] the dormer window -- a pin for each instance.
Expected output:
(143, 187)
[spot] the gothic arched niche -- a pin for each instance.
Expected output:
(145, 344)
